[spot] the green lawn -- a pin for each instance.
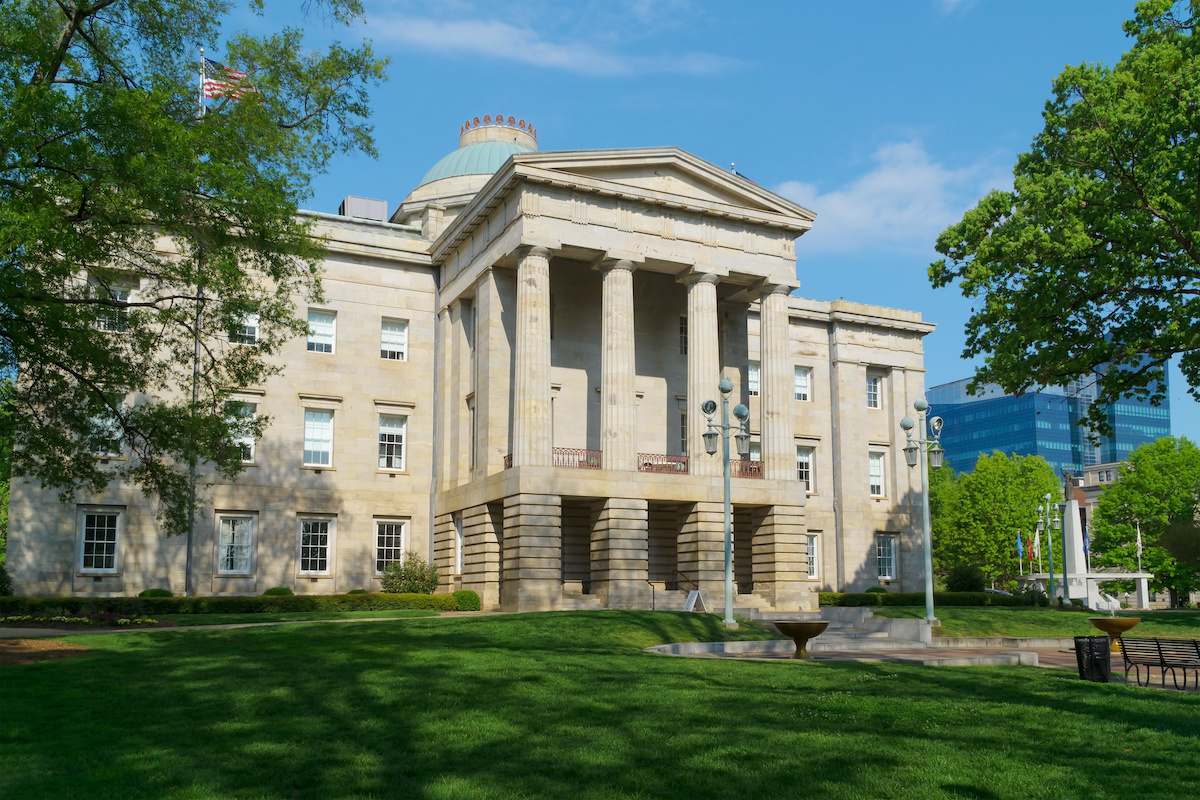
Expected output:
(1021, 621)
(564, 706)
(294, 616)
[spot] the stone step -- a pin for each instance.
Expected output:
(839, 643)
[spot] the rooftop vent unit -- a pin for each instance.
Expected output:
(364, 208)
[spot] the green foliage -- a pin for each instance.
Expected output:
(1157, 487)
(975, 516)
(965, 578)
(155, 593)
(878, 589)
(411, 574)
(357, 591)
(6, 448)
(134, 232)
(265, 604)
(5, 582)
(278, 591)
(853, 599)
(1093, 258)
(466, 600)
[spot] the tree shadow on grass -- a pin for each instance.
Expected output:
(562, 705)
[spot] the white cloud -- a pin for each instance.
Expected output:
(500, 40)
(903, 202)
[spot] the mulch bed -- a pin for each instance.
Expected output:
(28, 651)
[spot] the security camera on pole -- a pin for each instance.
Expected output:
(742, 438)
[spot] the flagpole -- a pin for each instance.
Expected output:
(200, 94)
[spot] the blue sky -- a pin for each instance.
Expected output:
(888, 119)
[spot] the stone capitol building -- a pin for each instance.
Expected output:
(506, 376)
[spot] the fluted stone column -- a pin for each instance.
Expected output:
(704, 367)
(531, 379)
(776, 387)
(618, 399)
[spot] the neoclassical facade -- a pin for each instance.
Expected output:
(507, 377)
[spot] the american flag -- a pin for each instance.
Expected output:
(223, 81)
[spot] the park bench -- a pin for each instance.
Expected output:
(1168, 655)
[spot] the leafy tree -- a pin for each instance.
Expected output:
(1093, 259)
(136, 235)
(978, 514)
(1158, 489)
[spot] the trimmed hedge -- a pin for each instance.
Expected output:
(273, 604)
(466, 600)
(918, 599)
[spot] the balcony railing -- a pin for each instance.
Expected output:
(574, 458)
(657, 462)
(746, 469)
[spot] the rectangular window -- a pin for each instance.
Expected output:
(800, 382)
(112, 319)
(873, 391)
(458, 542)
(804, 467)
(885, 556)
(234, 545)
(683, 336)
(391, 441)
(322, 326)
(877, 474)
(99, 533)
(756, 451)
(318, 437)
(389, 542)
(393, 340)
(241, 417)
(812, 556)
(106, 439)
(752, 379)
(316, 536)
(683, 433)
(245, 331)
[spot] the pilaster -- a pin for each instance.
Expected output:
(776, 387)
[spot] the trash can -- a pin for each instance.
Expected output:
(1094, 658)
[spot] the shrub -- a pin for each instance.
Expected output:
(411, 575)
(155, 593)
(273, 604)
(965, 578)
(466, 600)
(357, 591)
(5, 582)
(279, 591)
(878, 590)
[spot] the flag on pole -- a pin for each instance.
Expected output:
(1020, 547)
(1037, 544)
(1086, 541)
(1139, 540)
(223, 81)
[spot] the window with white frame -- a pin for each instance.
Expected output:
(316, 541)
(389, 542)
(874, 390)
(245, 331)
(885, 556)
(756, 451)
(683, 330)
(391, 441)
(322, 330)
(804, 467)
(393, 340)
(458, 542)
(876, 472)
(752, 378)
(318, 437)
(813, 561)
(235, 544)
(114, 318)
(106, 436)
(800, 382)
(99, 536)
(241, 418)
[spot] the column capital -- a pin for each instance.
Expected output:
(775, 287)
(538, 250)
(692, 277)
(609, 264)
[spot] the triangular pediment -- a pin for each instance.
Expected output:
(668, 174)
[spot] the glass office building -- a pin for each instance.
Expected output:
(1042, 423)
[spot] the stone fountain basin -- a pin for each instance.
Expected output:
(1114, 626)
(800, 633)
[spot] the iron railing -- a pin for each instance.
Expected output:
(575, 458)
(746, 469)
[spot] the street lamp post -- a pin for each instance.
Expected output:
(742, 438)
(913, 451)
